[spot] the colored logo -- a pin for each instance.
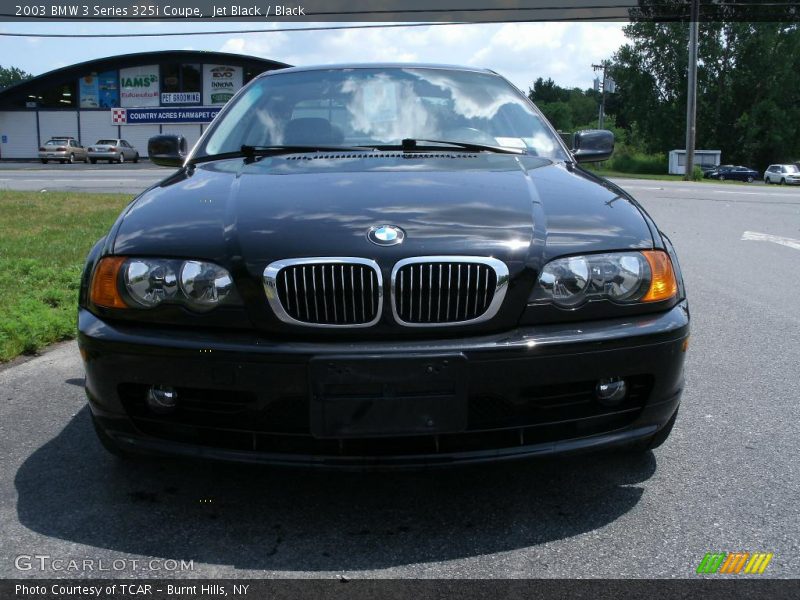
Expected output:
(734, 563)
(386, 235)
(119, 116)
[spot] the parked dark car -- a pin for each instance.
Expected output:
(382, 266)
(736, 173)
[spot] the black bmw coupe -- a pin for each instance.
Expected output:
(382, 265)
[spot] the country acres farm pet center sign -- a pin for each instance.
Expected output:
(157, 116)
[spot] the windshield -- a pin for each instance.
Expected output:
(381, 106)
(790, 169)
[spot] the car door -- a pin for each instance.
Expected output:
(130, 153)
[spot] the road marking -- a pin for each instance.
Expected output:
(775, 239)
(742, 193)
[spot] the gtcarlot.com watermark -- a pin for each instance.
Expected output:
(55, 564)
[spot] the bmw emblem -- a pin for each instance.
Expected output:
(386, 235)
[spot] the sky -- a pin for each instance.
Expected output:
(519, 51)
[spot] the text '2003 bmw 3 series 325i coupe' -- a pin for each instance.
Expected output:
(383, 265)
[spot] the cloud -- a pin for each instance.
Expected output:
(520, 51)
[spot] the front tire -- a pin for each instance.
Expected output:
(136, 158)
(749, 179)
(783, 181)
(121, 158)
(72, 159)
(767, 181)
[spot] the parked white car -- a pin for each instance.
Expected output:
(782, 174)
(112, 151)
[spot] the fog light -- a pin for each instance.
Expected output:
(610, 391)
(162, 399)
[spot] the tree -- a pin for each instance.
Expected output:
(565, 108)
(11, 75)
(748, 96)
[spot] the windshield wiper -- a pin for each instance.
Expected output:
(252, 152)
(419, 145)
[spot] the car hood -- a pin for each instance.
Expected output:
(516, 208)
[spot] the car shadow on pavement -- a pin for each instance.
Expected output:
(251, 517)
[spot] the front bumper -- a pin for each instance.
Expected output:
(528, 392)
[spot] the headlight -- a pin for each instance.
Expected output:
(205, 284)
(150, 282)
(121, 282)
(624, 277)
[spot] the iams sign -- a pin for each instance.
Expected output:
(139, 82)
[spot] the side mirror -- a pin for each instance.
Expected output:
(167, 150)
(592, 145)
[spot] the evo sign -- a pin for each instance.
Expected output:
(220, 83)
(158, 116)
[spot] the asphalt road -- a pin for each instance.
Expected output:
(727, 480)
(127, 178)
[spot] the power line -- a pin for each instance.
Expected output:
(289, 29)
(632, 4)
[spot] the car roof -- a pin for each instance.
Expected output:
(379, 65)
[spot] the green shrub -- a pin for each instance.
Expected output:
(626, 160)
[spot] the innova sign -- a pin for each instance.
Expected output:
(220, 83)
(138, 86)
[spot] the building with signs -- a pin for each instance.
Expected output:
(134, 97)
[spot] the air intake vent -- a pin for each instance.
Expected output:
(447, 290)
(325, 292)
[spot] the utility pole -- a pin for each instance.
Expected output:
(691, 96)
(602, 114)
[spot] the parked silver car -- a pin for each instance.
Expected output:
(62, 149)
(112, 150)
(782, 174)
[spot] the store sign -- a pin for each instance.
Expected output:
(139, 86)
(180, 98)
(89, 91)
(108, 89)
(158, 116)
(220, 83)
(98, 90)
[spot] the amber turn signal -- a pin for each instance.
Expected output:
(105, 292)
(663, 285)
